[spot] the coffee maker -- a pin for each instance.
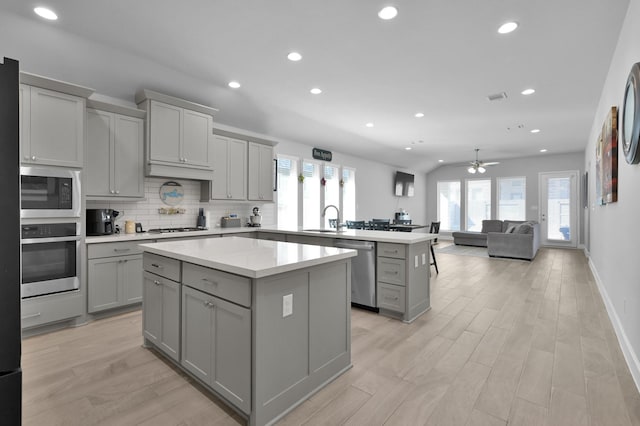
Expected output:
(101, 221)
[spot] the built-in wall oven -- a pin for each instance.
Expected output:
(49, 192)
(50, 258)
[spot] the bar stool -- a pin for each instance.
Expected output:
(434, 229)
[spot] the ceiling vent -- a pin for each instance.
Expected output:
(497, 96)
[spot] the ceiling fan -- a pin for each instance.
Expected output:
(479, 166)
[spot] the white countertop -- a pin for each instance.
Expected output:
(351, 234)
(248, 257)
(155, 236)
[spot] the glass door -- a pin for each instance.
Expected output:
(558, 209)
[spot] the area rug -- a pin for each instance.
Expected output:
(462, 250)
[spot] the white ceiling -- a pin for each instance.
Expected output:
(439, 57)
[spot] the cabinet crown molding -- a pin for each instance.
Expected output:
(146, 94)
(56, 85)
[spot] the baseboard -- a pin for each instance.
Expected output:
(629, 355)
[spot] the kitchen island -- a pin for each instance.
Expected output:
(262, 324)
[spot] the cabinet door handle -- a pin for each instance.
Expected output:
(117, 192)
(31, 316)
(391, 252)
(124, 249)
(391, 272)
(155, 265)
(208, 304)
(33, 158)
(207, 280)
(156, 282)
(391, 298)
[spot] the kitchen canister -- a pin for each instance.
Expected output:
(129, 227)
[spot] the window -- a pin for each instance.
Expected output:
(512, 194)
(302, 204)
(331, 191)
(287, 191)
(311, 209)
(449, 205)
(478, 203)
(348, 194)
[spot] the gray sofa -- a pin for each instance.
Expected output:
(509, 238)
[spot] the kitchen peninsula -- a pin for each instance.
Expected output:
(263, 324)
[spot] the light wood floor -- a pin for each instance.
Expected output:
(506, 342)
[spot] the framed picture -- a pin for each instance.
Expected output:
(607, 160)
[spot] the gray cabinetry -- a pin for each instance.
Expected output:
(403, 279)
(114, 154)
(260, 172)
(114, 275)
(52, 127)
(229, 158)
(161, 304)
(216, 344)
(178, 136)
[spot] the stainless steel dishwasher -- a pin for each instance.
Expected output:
(363, 273)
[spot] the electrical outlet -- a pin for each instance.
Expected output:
(287, 305)
(424, 258)
(417, 262)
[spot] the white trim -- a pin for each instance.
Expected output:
(574, 209)
(627, 350)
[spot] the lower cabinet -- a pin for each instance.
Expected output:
(114, 277)
(114, 282)
(161, 314)
(216, 345)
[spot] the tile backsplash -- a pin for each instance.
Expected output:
(146, 211)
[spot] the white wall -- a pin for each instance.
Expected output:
(528, 167)
(374, 185)
(614, 231)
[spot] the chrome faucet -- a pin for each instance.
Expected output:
(338, 221)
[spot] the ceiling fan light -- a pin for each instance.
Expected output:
(482, 169)
(471, 170)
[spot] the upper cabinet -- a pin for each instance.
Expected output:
(229, 157)
(261, 177)
(115, 163)
(51, 121)
(242, 167)
(178, 136)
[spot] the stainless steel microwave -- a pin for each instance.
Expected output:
(48, 193)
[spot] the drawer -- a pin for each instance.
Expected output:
(391, 250)
(51, 308)
(163, 266)
(391, 297)
(114, 249)
(391, 270)
(217, 283)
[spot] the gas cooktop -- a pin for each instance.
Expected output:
(167, 230)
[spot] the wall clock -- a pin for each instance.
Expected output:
(631, 116)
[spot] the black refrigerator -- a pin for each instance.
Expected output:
(10, 329)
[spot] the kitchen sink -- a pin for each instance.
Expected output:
(323, 230)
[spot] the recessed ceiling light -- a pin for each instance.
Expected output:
(388, 12)
(440, 161)
(419, 114)
(294, 56)
(369, 124)
(408, 148)
(315, 91)
(543, 150)
(535, 130)
(507, 27)
(45, 13)
(528, 92)
(234, 84)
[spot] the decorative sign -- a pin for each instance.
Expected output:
(171, 193)
(322, 154)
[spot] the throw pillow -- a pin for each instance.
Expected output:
(510, 229)
(524, 228)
